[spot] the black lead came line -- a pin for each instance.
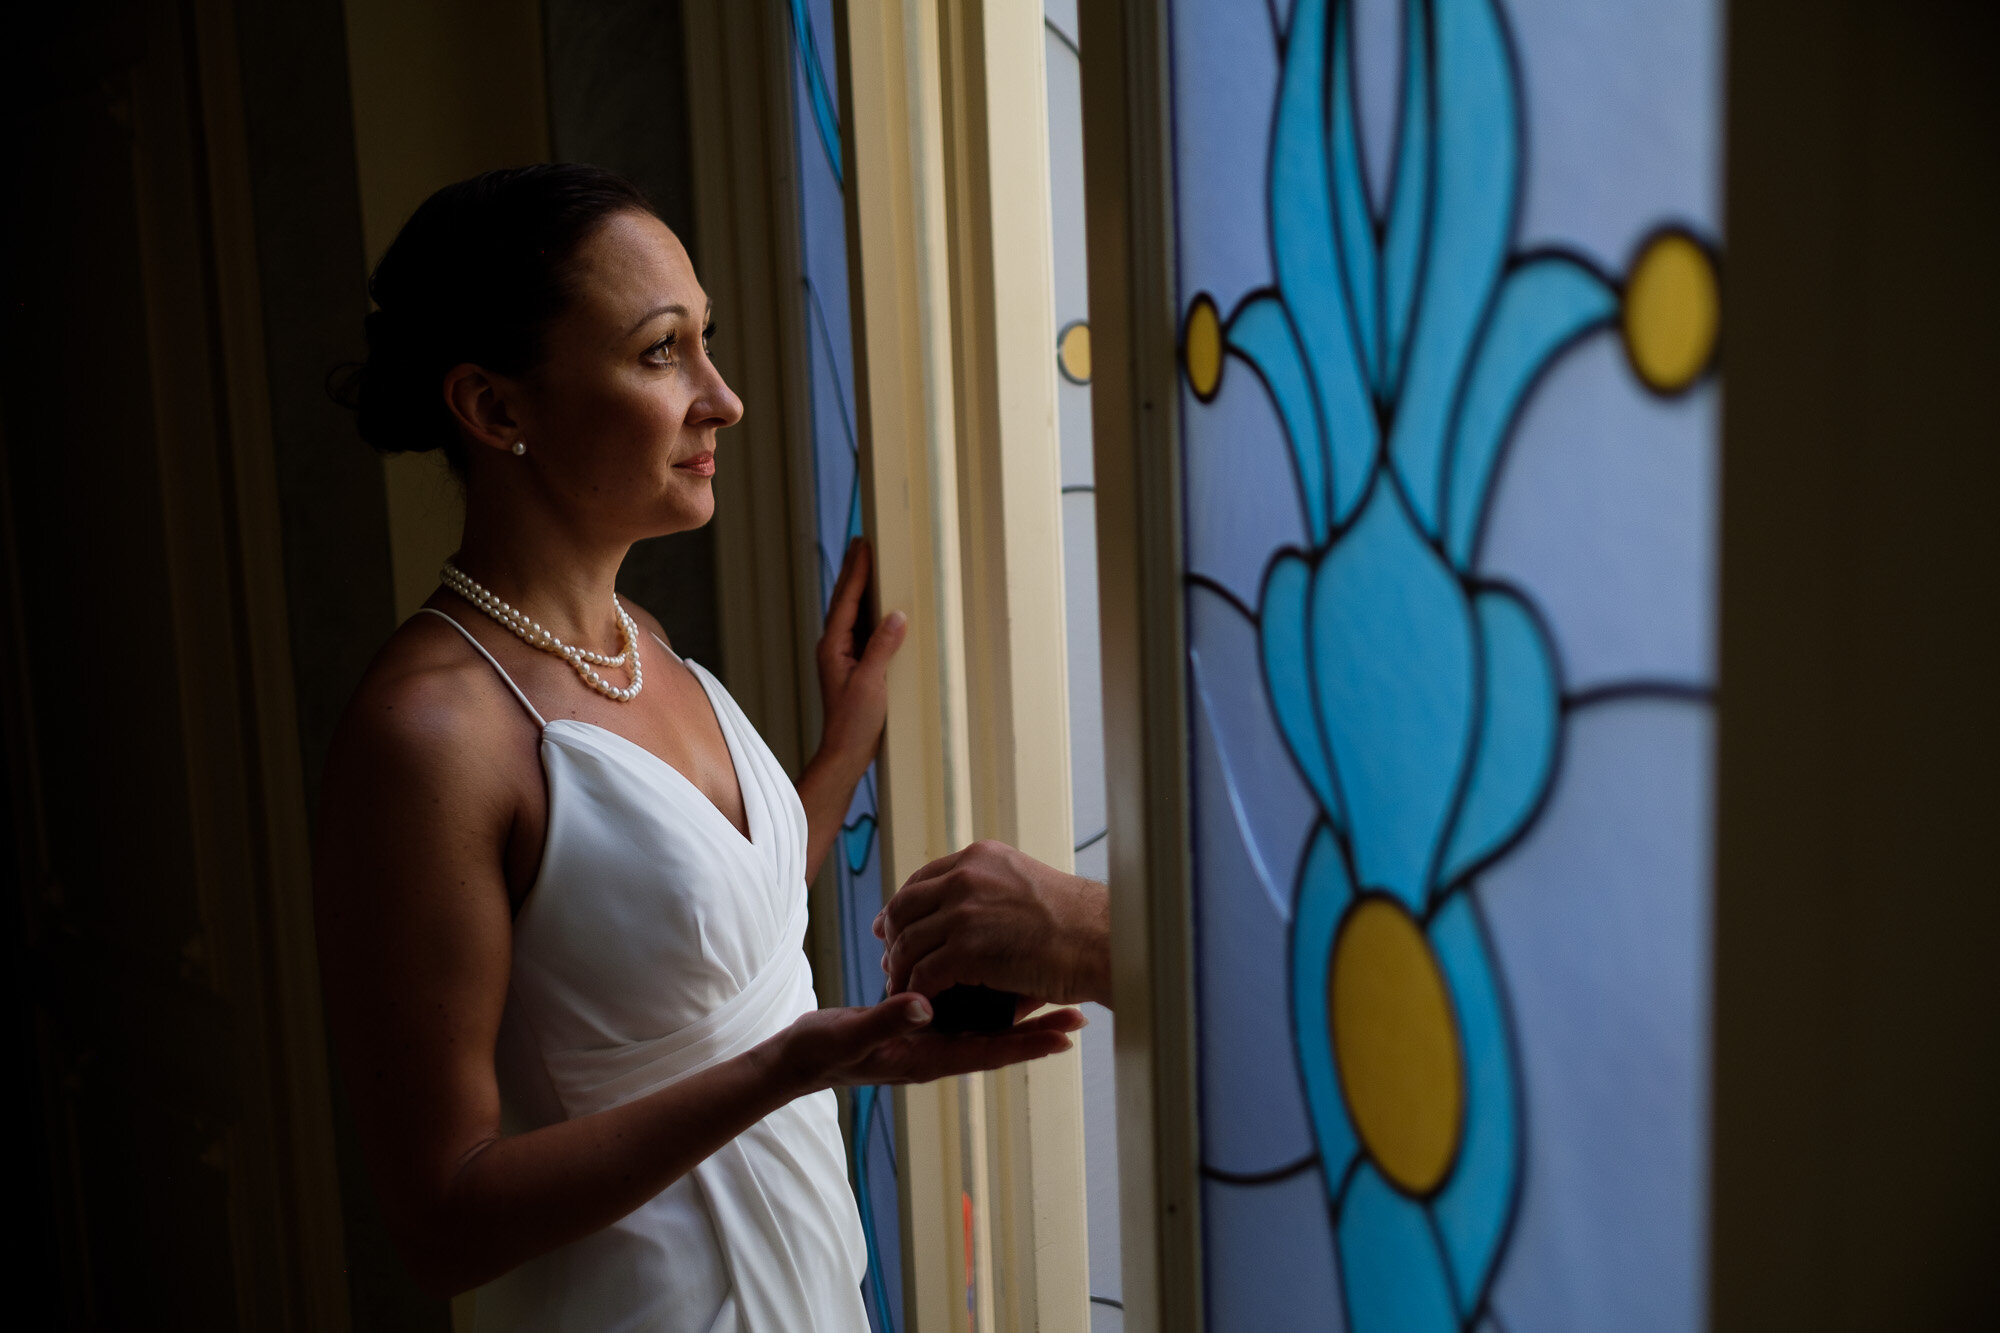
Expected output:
(1271, 1177)
(1683, 691)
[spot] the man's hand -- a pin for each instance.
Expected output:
(993, 916)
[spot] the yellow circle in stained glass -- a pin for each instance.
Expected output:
(1073, 352)
(1201, 347)
(1673, 312)
(1395, 1044)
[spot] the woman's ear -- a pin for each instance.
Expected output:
(478, 402)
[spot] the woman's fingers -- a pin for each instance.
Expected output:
(884, 642)
(928, 1056)
(847, 590)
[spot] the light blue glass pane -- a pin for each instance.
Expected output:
(1272, 802)
(1637, 140)
(1253, 1114)
(1395, 1279)
(1240, 465)
(1600, 926)
(1270, 1256)
(1225, 71)
(1606, 510)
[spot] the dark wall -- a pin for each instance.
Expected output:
(1858, 906)
(339, 588)
(617, 85)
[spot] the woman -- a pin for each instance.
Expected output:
(561, 882)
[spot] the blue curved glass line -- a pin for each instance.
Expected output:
(825, 119)
(1544, 304)
(1471, 1210)
(1261, 333)
(1516, 750)
(1325, 891)
(1393, 676)
(1476, 165)
(1234, 789)
(1304, 251)
(1391, 1273)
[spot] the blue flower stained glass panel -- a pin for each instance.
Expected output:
(1447, 277)
(837, 514)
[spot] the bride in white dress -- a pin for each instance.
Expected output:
(561, 882)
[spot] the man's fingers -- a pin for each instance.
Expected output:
(932, 869)
(914, 901)
(913, 944)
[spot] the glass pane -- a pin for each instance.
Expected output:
(1070, 343)
(836, 489)
(1448, 290)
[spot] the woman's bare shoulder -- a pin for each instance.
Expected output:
(429, 708)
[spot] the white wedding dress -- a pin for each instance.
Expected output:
(655, 942)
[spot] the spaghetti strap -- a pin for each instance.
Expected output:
(670, 649)
(431, 610)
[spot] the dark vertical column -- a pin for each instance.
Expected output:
(339, 589)
(1857, 1080)
(617, 81)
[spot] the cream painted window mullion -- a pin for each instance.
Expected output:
(904, 419)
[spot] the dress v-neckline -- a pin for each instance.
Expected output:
(748, 839)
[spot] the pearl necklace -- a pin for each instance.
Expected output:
(583, 660)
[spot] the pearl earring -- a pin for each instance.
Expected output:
(520, 447)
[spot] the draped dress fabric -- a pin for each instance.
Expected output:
(656, 941)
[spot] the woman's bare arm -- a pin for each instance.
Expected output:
(415, 942)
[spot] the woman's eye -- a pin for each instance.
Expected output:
(661, 350)
(707, 337)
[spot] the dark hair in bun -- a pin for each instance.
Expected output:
(475, 275)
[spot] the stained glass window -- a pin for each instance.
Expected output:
(1447, 277)
(837, 496)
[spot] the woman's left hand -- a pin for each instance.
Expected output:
(853, 685)
(891, 1042)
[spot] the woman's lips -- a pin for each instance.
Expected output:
(702, 464)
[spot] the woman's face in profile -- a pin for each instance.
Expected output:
(623, 412)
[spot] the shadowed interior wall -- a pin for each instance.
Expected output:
(617, 89)
(441, 90)
(1857, 1054)
(179, 278)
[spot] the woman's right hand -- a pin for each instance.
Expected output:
(889, 1043)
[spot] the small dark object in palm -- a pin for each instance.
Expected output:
(973, 1009)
